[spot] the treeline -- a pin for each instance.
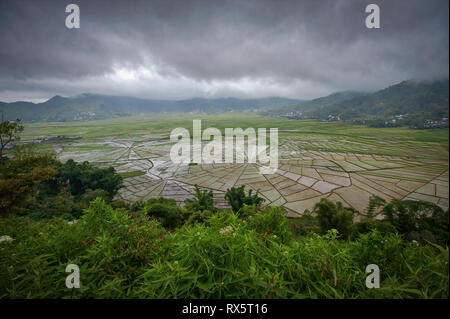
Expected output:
(38, 185)
(416, 121)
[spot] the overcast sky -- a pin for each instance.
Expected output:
(244, 48)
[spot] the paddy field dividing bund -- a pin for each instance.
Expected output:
(336, 160)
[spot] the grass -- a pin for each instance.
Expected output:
(157, 124)
(124, 256)
(306, 135)
(131, 174)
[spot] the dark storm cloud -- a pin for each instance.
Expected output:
(245, 48)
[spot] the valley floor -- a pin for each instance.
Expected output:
(338, 161)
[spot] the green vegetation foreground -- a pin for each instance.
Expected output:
(123, 255)
(55, 214)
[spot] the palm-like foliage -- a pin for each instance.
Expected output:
(237, 198)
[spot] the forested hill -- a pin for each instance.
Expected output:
(94, 107)
(306, 108)
(424, 99)
(418, 101)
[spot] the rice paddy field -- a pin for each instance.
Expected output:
(334, 160)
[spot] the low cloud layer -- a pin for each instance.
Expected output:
(254, 48)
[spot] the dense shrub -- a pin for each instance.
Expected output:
(37, 184)
(333, 215)
(386, 251)
(248, 210)
(203, 200)
(271, 223)
(167, 211)
(109, 246)
(83, 176)
(63, 205)
(91, 194)
(236, 198)
(418, 220)
(420, 266)
(121, 256)
(365, 225)
(137, 206)
(121, 204)
(198, 216)
(303, 225)
(19, 177)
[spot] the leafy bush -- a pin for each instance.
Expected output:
(162, 200)
(37, 184)
(226, 257)
(333, 215)
(384, 250)
(375, 202)
(248, 210)
(303, 225)
(418, 220)
(198, 216)
(61, 205)
(137, 206)
(109, 246)
(120, 204)
(271, 222)
(167, 211)
(19, 177)
(236, 198)
(91, 194)
(203, 200)
(366, 225)
(83, 176)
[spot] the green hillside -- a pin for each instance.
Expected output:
(97, 107)
(409, 103)
(306, 108)
(417, 99)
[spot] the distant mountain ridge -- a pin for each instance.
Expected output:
(425, 99)
(416, 100)
(306, 108)
(96, 106)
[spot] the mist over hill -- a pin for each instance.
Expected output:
(95, 107)
(414, 100)
(428, 99)
(306, 108)
(409, 103)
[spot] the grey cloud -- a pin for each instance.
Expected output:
(295, 48)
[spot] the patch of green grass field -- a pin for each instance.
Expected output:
(131, 174)
(307, 135)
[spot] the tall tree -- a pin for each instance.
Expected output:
(8, 132)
